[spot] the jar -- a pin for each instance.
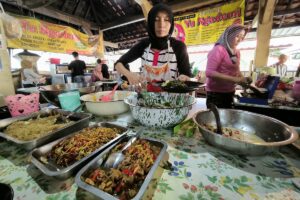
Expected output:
(296, 91)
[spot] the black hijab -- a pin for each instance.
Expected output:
(159, 43)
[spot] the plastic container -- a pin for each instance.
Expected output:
(69, 100)
(22, 104)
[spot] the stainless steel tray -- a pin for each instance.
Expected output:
(59, 172)
(98, 161)
(81, 121)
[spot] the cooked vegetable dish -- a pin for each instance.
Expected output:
(34, 128)
(72, 149)
(174, 84)
(125, 181)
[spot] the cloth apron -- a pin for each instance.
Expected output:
(156, 73)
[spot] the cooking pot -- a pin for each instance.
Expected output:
(51, 92)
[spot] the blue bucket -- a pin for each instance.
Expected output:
(70, 100)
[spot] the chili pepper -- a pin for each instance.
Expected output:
(127, 172)
(95, 174)
(118, 188)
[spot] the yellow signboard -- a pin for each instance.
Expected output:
(206, 26)
(42, 36)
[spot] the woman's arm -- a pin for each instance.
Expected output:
(182, 57)
(214, 60)
(134, 53)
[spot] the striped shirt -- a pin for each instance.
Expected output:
(281, 69)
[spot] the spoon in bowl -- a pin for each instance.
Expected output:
(108, 97)
(215, 111)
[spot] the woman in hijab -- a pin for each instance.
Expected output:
(163, 57)
(223, 68)
(101, 72)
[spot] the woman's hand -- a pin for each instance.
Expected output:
(42, 80)
(134, 78)
(183, 77)
(241, 80)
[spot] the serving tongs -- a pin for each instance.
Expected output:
(213, 108)
(116, 158)
(65, 119)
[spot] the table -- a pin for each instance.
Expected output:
(200, 171)
(289, 115)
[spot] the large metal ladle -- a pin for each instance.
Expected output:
(215, 111)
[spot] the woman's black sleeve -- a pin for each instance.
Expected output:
(134, 53)
(182, 57)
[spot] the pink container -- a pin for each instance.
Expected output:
(296, 91)
(22, 104)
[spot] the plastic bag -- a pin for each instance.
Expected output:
(12, 26)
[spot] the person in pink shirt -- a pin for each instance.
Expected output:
(223, 68)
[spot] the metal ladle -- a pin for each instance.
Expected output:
(215, 111)
(64, 119)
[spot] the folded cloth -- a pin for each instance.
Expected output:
(186, 128)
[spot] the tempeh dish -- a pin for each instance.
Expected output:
(126, 180)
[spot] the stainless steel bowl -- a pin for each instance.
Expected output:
(51, 92)
(274, 132)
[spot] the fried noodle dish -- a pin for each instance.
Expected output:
(34, 128)
(125, 181)
(72, 149)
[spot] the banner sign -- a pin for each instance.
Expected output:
(43, 36)
(206, 26)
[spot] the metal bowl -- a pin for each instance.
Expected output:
(274, 132)
(51, 92)
(152, 116)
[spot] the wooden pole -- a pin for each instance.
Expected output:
(265, 22)
(6, 81)
(146, 6)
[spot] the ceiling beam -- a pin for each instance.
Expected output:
(65, 17)
(279, 13)
(182, 6)
(36, 4)
(186, 5)
(56, 14)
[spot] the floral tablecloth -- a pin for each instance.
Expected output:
(199, 171)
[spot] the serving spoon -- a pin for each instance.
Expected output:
(108, 97)
(114, 159)
(215, 111)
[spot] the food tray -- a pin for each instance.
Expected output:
(59, 172)
(95, 163)
(81, 121)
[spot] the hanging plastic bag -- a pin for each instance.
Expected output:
(11, 25)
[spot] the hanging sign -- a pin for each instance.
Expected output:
(43, 36)
(206, 26)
